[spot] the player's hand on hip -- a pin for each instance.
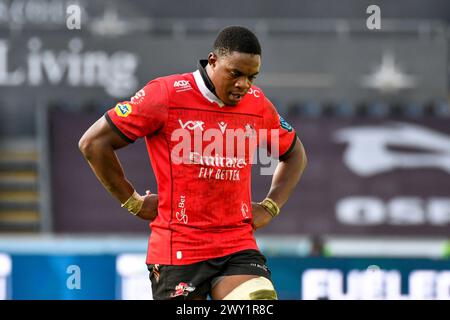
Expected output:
(260, 216)
(149, 209)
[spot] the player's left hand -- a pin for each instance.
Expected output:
(260, 216)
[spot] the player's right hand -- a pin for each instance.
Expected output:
(149, 209)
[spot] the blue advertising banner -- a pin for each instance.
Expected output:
(361, 278)
(298, 278)
(63, 277)
(124, 277)
(5, 276)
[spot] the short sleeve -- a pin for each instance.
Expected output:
(280, 134)
(143, 115)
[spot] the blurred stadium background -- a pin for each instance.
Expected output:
(371, 216)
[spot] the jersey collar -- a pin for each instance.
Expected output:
(205, 84)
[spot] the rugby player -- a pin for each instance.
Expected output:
(201, 130)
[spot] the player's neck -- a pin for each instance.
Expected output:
(209, 73)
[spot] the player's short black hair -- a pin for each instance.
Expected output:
(236, 38)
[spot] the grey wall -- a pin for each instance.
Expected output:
(80, 72)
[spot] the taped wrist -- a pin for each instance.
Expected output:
(270, 206)
(134, 203)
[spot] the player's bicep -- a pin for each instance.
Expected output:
(101, 134)
(281, 137)
(298, 151)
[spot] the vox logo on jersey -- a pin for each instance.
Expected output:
(191, 125)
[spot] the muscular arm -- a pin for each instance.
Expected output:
(287, 174)
(98, 145)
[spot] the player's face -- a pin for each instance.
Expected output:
(233, 74)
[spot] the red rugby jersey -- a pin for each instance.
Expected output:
(201, 152)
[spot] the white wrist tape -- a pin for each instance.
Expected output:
(134, 203)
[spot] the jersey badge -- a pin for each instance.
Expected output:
(285, 125)
(123, 109)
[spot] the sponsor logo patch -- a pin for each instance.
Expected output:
(138, 97)
(285, 125)
(182, 85)
(123, 109)
(222, 126)
(244, 210)
(191, 125)
(254, 92)
(182, 289)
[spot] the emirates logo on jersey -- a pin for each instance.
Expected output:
(221, 151)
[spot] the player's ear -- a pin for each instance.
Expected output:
(212, 59)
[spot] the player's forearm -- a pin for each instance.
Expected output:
(287, 175)
(106, 166)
